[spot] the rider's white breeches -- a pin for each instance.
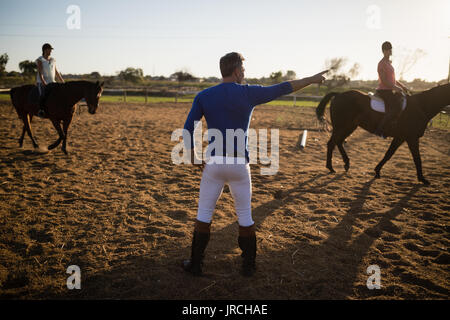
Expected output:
(238, 178)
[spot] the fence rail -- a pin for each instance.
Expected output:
(176, 94)
(442, 119)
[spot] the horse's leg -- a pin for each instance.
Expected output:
(396, 142)
(27, 123)
(339, 143)
(344, 156)
(66, 124)
(338, 140)
(413, 145)
(330, 147)
(22, 136)
(57, 126)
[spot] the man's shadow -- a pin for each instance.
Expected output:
(149, 275)
(327, 270)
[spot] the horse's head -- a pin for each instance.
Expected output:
(93, 95)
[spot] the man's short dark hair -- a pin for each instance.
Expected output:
(386, 46)
(229, 62)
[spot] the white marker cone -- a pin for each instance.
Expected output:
(303, 143)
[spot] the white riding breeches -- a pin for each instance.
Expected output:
(238, 178)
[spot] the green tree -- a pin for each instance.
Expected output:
(3, 61)
(28, 67)
(182, 76)
(131, 74)
(95, 75)
(290, 75)
(276, 77)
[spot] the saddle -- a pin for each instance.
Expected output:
(377, 103)
(34, 96)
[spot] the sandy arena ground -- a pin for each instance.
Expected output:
(118, 208)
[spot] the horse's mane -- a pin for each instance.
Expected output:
(433, 91)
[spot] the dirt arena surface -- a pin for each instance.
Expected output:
(118, 208)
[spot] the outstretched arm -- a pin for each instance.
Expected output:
(301, 83)
(259, 95)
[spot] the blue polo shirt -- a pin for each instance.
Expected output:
(230, 105)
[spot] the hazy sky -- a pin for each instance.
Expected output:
(162, 37)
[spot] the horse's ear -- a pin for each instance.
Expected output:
(97, 83)
(101, 84)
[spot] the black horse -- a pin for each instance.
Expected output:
(351, 109)
(60, 104)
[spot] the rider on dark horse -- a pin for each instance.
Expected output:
(389, 89)
(46, 74)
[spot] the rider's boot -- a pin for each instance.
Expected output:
(247, 243)
(199, 243)
(41, 113)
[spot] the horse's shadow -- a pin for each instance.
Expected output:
(38, 159)
(330, 270)
(20, 155)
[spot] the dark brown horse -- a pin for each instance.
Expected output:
(60, 104)
(351, 109)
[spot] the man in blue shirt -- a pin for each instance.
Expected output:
(229, 106)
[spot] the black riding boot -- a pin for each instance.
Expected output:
(194, 264)
(41, 113)
(247, 243)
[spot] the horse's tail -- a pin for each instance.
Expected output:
(320, 110)
(14, 94)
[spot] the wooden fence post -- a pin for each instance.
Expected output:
(124, 95)
(146, 95)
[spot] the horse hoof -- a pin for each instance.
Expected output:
(377, 175)
(425, 181)
(331, 170)
(40, 150)
(346, 167)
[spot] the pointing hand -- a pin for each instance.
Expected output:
(318, 78)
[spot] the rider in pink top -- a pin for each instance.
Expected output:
(388, 88)
(385, 67)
